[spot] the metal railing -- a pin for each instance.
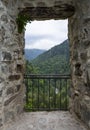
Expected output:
(47, 92)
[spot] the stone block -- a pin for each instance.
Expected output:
(9, 100)
(6, 56)
(83, 56)
(76, 106)
(14, 77)
(17, 88)
(19, 109)
(78, 70)
(10, 91)
(19, 68)
(1, 92)
(1, 122)
(85, 109)
(4, 18)
(1, 80)
(88, 52)
(88, 78)
(9, 116)
(2, 33)
(4, 69)
(16, 54)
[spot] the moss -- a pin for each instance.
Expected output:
(22, 20)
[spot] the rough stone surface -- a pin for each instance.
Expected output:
(47, 121)
(12, 57)
(48, 9)
(79, 37)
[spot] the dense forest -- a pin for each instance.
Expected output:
(52, 93)
(53, 61)
(31, 54)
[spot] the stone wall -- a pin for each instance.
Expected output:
(79, 36)
(11, 64)
(12, 89)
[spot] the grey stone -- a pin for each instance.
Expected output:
(4, 69)
(17, 88)
(1, 80)
(47, 121)
(10, 91)
(6, 56)
(4, 18)
(1, 93)
(12, 45)
(1, 122)
(19, 68)
(78, 70)
(9, 116)
(83, 56)
(10, 100)
(14, 77)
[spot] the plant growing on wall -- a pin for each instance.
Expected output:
(22, 20)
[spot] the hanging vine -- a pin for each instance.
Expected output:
(22, 20)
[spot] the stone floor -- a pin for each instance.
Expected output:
(46, 121)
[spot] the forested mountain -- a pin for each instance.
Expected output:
(54, 61)
(30, 54)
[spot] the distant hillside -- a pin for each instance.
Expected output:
(30, 54)
(54, 61)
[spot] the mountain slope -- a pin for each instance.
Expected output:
(54, 61)
(30, 54)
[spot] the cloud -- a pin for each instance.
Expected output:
(45, 34)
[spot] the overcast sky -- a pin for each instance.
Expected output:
(45, 34)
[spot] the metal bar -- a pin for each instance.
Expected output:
(49, 94)
(26, 83)
(32, 93)
(66, 93)
(38, 94)
(33, 76)
(48, 100)
(44, 93)
(60, 94)
(55, 94)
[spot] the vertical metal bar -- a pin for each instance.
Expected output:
(55, 95)
(26, 83)
(49, 94)
(32, 94)
(38, 94)
(60, 95)
(66, 93)
(43, 94)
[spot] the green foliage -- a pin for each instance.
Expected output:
(54, 61)
(31, 54)
(22, 20)
(49, 96)
(30, 69)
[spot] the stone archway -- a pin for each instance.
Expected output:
(11, 53)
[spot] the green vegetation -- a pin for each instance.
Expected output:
(50, 96)
(22, 20)
(30, 69)
(54, 61)
(31, 54)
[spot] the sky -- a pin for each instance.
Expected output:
(45, 34)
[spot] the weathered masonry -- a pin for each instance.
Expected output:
(12, 90)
